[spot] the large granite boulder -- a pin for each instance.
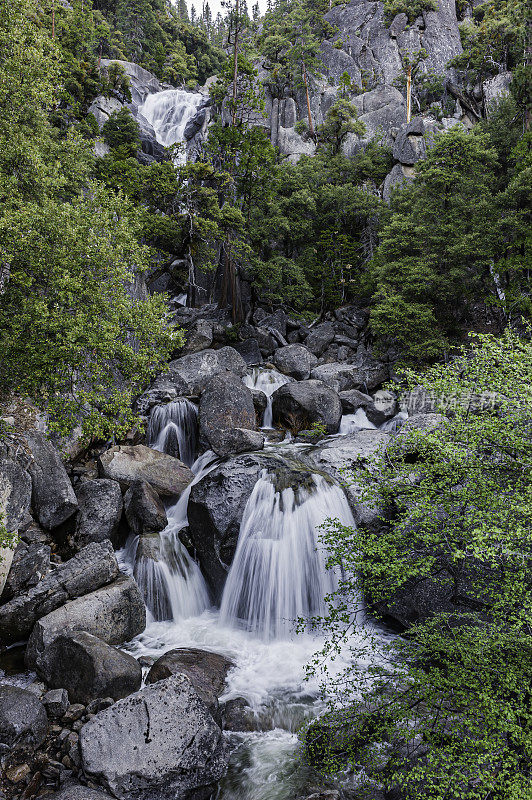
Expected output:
(190, 374)
(295, 360)
(94, 566)
(366, 374)
(129, 463)
(23, 720)
(114, 613)
(160, 742)
(15, 493)
(89, 668)
(320, 338)
(78, 792)
(53, 497)
(144, 509)
(100, 505)
(31, 562)
(225, 405)
(297, 406)
(205, 670)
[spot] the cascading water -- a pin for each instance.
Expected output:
(168, 113)
(266, 381)
(355, 422)
(279, 573)
(173, 429)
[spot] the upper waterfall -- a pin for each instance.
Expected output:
(168, 113)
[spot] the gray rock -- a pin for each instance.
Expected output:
(15, 493)
(382, 407)
(297, 406)
(78, 792)
(398, 178)
(144, 510)
(128, 463)
(412, 142)
(320, 338)
(421, 422)
(295, 360)
(238, 716)
(115, 614)
(92, 567)
(89, 668)
(495, 89)
(31, 562)
(160, 742)
(53, 497)
(142, 82)
(250, 352)
(226, 403)
(199, 337)
(56, 702)
(206, 671)
(23, 720)
(262, 336)
(342, 457)
(365, 375)
(354, 399)
(100, 504)
(260, 401)
(238, 440)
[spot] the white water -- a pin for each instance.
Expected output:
(266, 381)
(355, 422)
(278, 573)
(168, 113)
(173, 429)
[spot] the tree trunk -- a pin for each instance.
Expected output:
(310, 124)
(409, 93)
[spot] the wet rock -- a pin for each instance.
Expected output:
(250, 352)
(297, 406)
(115, 613)
(56, 702)
(190, 374)
(320, 338)
(295, 360)
(92, 567)
(226, 403)
(144, 510)
(23, 720)
(206, 671)
(354, 399)
(89, 668)
(238, 440)
(160, 742)
(128, 463)
(382, 407)
(31, 562)
(78, 792)
(237, 716)
(260, 401)
(53, 497)
(100, 504)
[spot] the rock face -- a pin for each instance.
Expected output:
(115, 614)
(205, 670)
(160, 742)
(145, 512)
(190, 375)
(295, 360)
(100, 504)
(31, 562)
(92, 567)
(225, 405)
(89, 668)
(54, 500)
(15, 493)
(23, 720)
(128, 463)
(297, 406)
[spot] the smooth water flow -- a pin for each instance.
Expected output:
(168, 113)
(266, 381)
(355, 422)
(173, 429)
(278, 575)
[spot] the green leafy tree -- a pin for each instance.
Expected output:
(412, 8)
(341, 119)
(447, 712)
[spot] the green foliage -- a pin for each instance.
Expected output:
(412, 8)
(447, 713)
(122, 131)
(341, 119)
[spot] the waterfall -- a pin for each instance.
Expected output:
(168, 113)
(266, 381)
(279, 573)
(173, 429)
(351, 423)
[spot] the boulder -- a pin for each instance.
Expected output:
(128, 463)
(53, 497)
(31, 562)
(56, 702)
(15, 494)
(250, 352)
(354, 399)
(190, 374)
(341, 458)
(265, 341)
(145, 512)
(205, 670)
(199, 337)
(78, 792)
(160, 742)
(365, 375)
(100, 505)
(23, 720)
(89, 668)
(226, 403)
(382, 407)
(115, 613)
(320, 338)
(94, 566)
(260, 401)
(295, 360)
(297, 406)
(237, 440)
(238, 716)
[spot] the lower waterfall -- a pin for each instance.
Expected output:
(173, 429)
(168, 113)
(279, 572)
(266, 381)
